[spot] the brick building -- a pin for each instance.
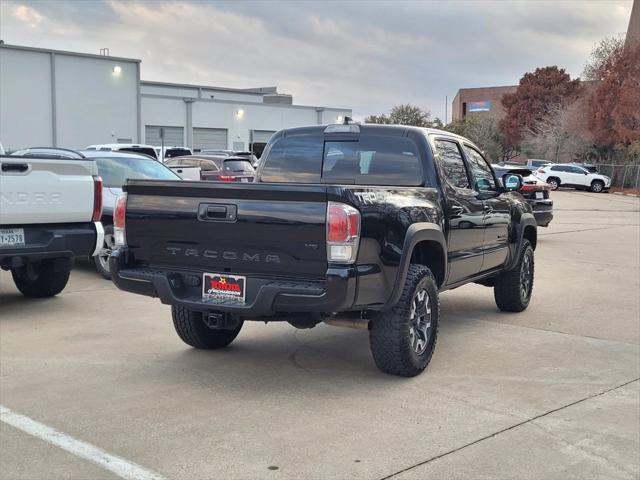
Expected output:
(483, 102)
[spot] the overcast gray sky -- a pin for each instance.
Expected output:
(366, 55)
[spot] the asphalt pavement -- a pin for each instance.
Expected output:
(550, 393)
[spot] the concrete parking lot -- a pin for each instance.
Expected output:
(553, 392)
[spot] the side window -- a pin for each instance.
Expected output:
(483, 179)
(294, 159)
(452, 163)
(575, 170)
(373, 160)
(559, 168)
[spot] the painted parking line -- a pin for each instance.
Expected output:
(121, 467)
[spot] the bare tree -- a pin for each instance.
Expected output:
(600, 59)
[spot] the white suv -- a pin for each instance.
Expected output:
(567, 175)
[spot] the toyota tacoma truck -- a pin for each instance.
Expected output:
(353, 225)
(50, 207)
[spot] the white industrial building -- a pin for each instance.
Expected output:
(70, 100)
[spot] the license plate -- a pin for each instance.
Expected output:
(244, 180)
(11, 237)
(217, 286)
(539, 195)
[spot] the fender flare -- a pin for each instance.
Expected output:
(416, 233)
(526, 220)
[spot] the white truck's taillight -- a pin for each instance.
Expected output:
(119, 213)
(97, 199)
(343, 233)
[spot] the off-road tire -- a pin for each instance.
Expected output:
(554, 183)
(192, 330)
(507, 290)
(389, 335)
(597, 186)
(43, 281)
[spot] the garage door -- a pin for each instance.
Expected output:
(209, 139)
(173, 136)
(261, 136)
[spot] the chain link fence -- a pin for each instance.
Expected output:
(622, 176)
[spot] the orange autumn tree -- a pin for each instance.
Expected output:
(538, 95)
(614, 107)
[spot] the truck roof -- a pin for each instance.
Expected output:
(372, 127)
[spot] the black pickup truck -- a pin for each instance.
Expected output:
(354, 225)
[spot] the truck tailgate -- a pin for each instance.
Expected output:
(228, 228)
(35, 190)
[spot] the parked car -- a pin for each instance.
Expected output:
(587, 166)
(568, 175)
(232, 153)
(170, 152)
(366, 241)
(218, 167)
(536, 163)
(115, 168)
(50, 210)
(533, 189)
(125, 147)
(187, 172)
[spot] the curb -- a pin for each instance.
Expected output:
(626, 194)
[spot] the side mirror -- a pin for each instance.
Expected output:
(511, 182)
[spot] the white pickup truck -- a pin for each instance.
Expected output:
(50, 210)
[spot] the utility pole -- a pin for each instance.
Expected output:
(446, 109)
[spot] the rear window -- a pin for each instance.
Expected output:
(238, 166)
(145, 151)
(176, 152)
(294, 159)
(368, 160)
(373, 160)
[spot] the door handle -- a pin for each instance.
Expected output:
(217, 212)
(487, 209)
(15, 167)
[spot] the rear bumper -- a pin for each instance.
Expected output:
(542, 211)
(264, 296)
(53, 241)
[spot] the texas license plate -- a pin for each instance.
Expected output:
(217, 286)
(11, 237)
(539, 195)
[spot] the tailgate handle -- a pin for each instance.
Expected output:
(15, 167)
(217, 212)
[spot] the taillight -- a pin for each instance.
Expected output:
(227, 178)
(118, 220)
(343, 233)
(97, 199)
(541, 170)
(533, 188)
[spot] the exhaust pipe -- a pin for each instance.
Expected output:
(358, 323)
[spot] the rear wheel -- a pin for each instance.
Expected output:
(102, 259)
(597, 186)
(553, 182)
(403, 339)
(513, 288)
(192, 330)
(41, 280)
